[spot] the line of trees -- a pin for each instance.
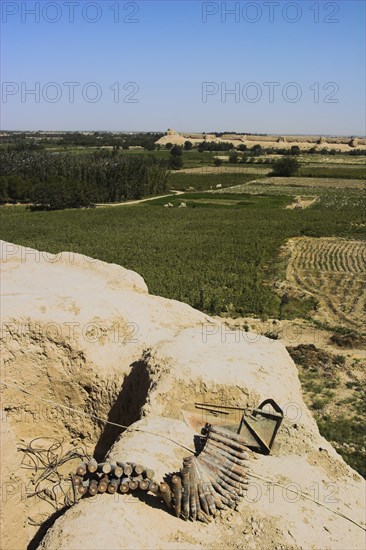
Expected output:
(59, 180)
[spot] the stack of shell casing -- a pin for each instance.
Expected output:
(216, 478)
(109, 477)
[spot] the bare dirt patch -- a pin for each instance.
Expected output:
(301, 202)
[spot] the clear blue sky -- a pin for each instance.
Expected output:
(171, 50)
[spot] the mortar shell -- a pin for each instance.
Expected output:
(92, 466)
(81, 469)
(165, 494)
(144, 484)
(149, 473)
(93, 487)
(124, 486)
(153, 487)
(105, 467)
(133, 484)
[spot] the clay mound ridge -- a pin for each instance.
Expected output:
(343, 144)
(87, 335)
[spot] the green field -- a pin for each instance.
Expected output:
(230, 250)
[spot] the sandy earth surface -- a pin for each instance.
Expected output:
(87, 335)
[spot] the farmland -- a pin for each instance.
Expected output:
(260, 250)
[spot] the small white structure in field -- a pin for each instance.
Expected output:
(168, 205)
(183, 205)
(219, 186)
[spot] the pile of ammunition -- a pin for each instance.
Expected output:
(216, 478)
(92, 478)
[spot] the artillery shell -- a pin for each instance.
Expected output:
(149, 473)
(213, 499)
(83, 487)
(192, 494)
(227, 483)
(153, 487)
(202, 516)
(127, 468)
(165, 493)
(185, 493)
(113, 486)
(117, 471)
(200, 489)
(228, 438)
(225, 467)
(219, 499)
(224, 453)
(229, 450)
(229, 466)
(138, 469)
(81, 469)
(226, 496)
(105, 467)
(133, 484)
(76, 480)
(92, 466)
(93, 487)
(103, 484)
(177, 494)
(228, 441)
(124, 486)
(144, 484)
